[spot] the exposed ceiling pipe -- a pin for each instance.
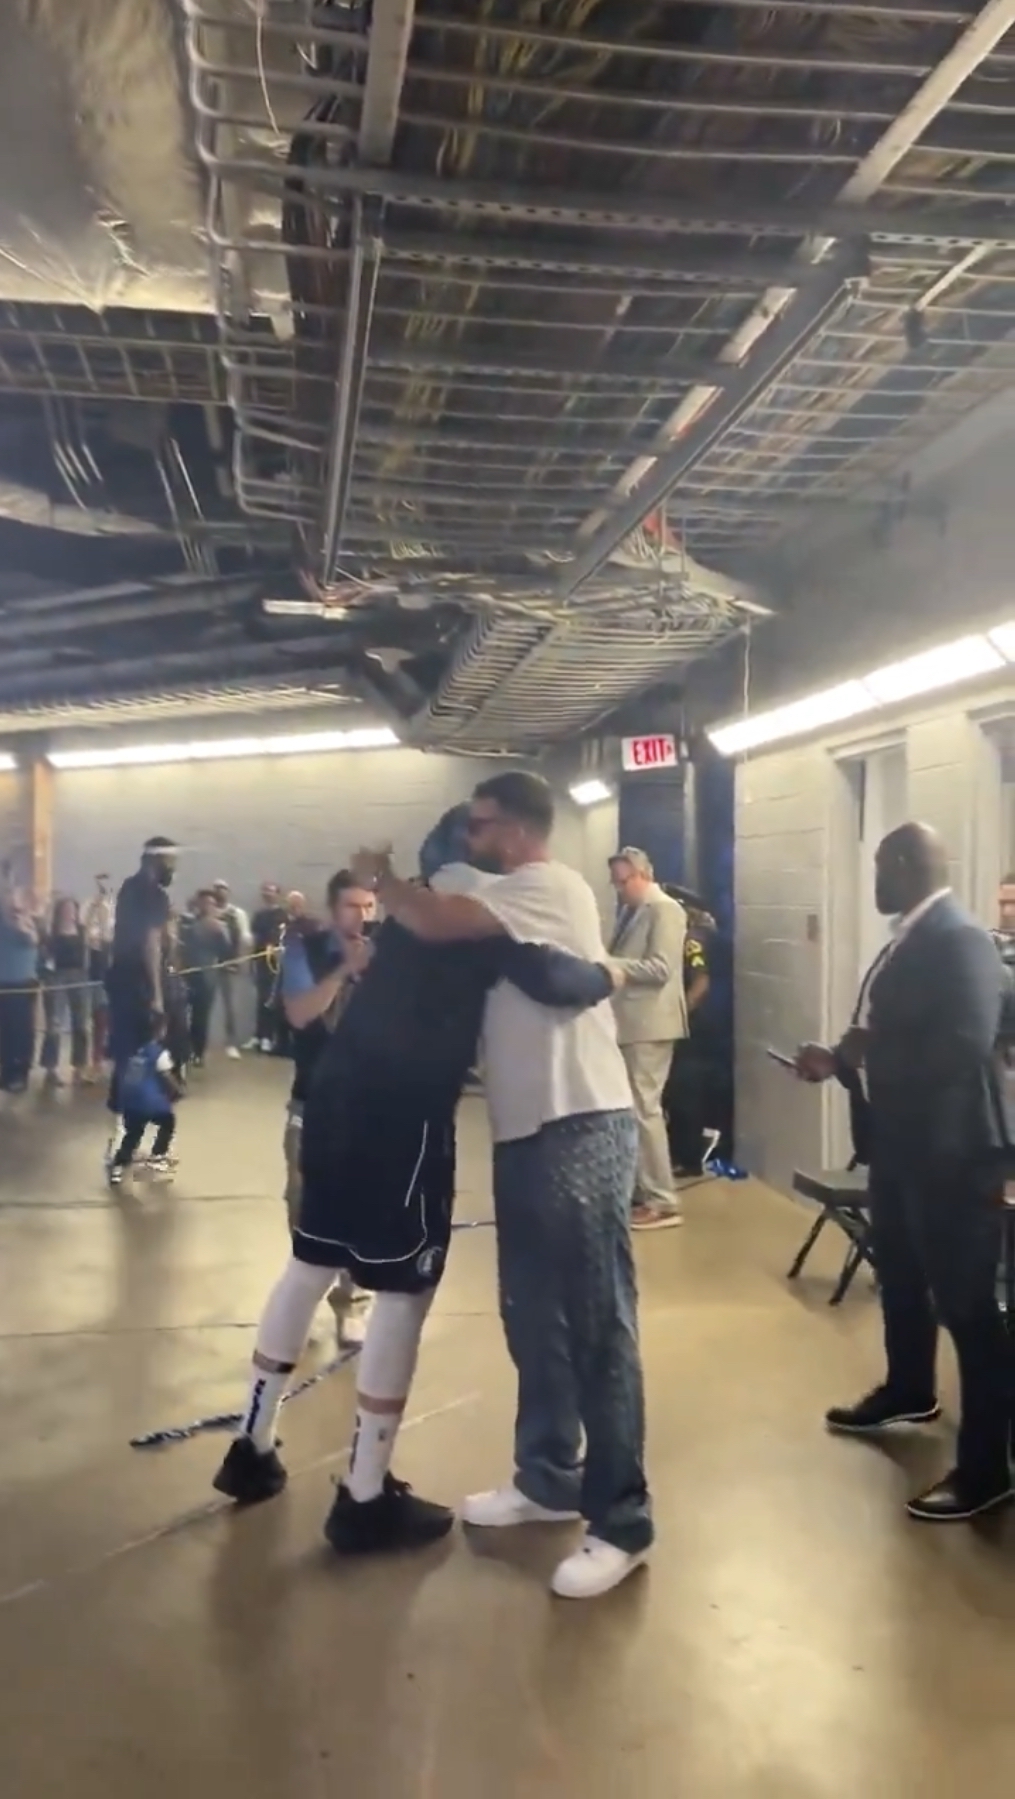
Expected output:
(24, 609)
(121, 612)
(390, 33)
(311, 662)
(361, 292)
(971, 48)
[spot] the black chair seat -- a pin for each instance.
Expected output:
(842, 1195)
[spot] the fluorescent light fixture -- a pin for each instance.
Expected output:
(304, 609)
(1003, 639)
(831, 707)
(589, 793)
(310, 743)
(944, 666)
(7, 763)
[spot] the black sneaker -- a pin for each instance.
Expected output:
(250, 1475)
(396, 1519)
(949, 1501)
(876, 1412)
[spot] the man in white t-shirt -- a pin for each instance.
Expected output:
(565, 1152)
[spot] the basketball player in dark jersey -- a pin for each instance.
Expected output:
(378, 1195)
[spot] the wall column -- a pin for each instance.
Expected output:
(40, 826)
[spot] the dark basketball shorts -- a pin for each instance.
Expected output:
(378, 1191)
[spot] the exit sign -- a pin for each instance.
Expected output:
(649, 752)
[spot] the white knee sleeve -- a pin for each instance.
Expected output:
(289, 1313)
(387, 1360)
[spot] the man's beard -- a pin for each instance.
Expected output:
(164, 876)
(886, 901)
(490, 864)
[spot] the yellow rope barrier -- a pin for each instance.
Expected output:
(269, 956)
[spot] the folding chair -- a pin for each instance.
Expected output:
(842, 1196)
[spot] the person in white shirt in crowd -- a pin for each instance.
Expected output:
(651, 1009)
(238, 926)
(565, 1151)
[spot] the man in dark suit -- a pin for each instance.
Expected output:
(925, 1037)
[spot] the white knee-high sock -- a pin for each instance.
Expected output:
(281, 1339)
(387, 1364)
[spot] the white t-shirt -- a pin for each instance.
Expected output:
(541, 1062)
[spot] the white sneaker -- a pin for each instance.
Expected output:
(505, 1507)
(265, 1046)
(593, 1569)
(233, 1053)
(253, 1043)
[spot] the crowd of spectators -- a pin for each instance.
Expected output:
(55, 956)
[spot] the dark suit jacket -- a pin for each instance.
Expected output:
(934, 1014)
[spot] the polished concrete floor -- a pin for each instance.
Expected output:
(795, 1637)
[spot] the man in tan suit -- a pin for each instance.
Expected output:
(648, 946)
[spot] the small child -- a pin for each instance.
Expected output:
(147, 1089)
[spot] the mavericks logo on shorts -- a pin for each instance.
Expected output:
(428, 1263)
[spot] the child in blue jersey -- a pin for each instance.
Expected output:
(148, 1091)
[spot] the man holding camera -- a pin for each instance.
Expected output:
(320, 965)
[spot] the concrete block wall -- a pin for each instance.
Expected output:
(782, 844)
(293, 819)
(797, 900)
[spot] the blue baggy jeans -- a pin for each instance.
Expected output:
(569, 1305)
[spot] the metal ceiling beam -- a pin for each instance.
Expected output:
(596, 207)
(967, 54)
(664, 373)
(585, 43)
(807, 315)
(594, 258)
(391, 24)
(925, 12)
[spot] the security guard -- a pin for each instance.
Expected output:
(687, 1087)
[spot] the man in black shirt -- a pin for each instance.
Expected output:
(140, 983)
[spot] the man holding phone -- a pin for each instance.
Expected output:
(925, 1035)
(320, 966)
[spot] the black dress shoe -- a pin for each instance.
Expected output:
(949, 1502)
(877, 1411)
